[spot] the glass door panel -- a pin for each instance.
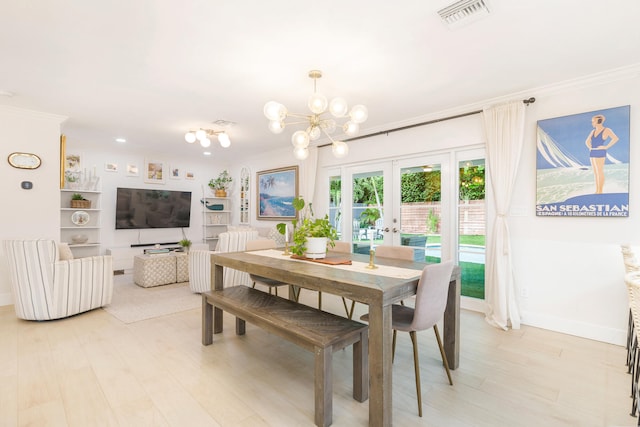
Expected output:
(421, 209)
(472, 226)
(367, 209)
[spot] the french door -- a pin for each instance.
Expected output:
(432, 203)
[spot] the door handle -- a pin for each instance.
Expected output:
(395, 230)
(386, 230)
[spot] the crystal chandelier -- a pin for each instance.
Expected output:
(203, 136)
(318, 122)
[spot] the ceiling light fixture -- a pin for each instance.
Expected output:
(316, 123)
(202, 135)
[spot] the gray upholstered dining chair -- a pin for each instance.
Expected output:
(397, 252)
(431, 301)
(256, 245)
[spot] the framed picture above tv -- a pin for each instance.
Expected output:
(276, 190)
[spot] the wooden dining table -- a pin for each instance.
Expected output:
(355, 282)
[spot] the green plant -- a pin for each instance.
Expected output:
(433, 222)
(222, 182)
(369, 216)
(77, 196)
(306, 226)
(185, 243)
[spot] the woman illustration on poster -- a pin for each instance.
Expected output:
(598, 145)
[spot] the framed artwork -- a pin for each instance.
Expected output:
(189, 175)
(132, 170)
(111, 167)
(154, 172)
(174, 172)
(276, 190)
(582, 164)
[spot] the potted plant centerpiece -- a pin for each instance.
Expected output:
(220, 185)
(310, 235)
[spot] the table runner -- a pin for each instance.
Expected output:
(357, 266)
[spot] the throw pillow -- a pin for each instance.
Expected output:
(64, 252)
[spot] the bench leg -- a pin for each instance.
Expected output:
(361, 368)
(207, 321)
(240, 326)
(323, 386)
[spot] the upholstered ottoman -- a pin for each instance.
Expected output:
(182, 267)
(154, 270)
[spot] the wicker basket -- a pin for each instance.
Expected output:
(81, 204)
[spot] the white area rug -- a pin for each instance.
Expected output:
(132, 303)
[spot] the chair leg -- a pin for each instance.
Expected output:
(276, 290)
(353, 306)
(346, 309)
(393, 345)
(444, 356)
(319, 300)
(416, 365)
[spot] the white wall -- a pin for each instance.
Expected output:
(203, 169)
(31, 213)
(571, 267)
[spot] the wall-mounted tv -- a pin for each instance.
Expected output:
(148, 208)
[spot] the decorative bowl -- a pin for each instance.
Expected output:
(79, 238)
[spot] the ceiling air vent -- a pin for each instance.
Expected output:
(463, 12)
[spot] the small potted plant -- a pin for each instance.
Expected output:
(79, 202)
(185, 243)
(310, 235)
(221, 184)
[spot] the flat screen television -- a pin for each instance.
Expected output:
(147, 208)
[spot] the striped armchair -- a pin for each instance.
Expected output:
(200, 261)
(45, 288)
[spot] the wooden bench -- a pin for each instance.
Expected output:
(312, 329)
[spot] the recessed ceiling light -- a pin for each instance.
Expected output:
(207, 153)
(6, 93)
(121, 140)
(224, 123)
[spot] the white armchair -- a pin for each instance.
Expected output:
(45, 288)
(200, 261)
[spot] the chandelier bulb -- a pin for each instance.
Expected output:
(338, 107)
(276, 126)
(224, 140)
(205, 142)
(314, 132)
(339, 149)
(351, 128)
(275, 111)
(300, 139)
(300, 153)
(359, 113)
(190, 137)
(317, 103)
(201, 134)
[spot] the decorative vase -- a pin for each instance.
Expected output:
(220, 193)
(316, 247)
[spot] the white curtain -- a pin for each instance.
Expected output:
(308, 175)
(504, 131)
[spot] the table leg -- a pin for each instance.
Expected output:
(217, 284)
(380, 368)
(451, 324)
(207, 322)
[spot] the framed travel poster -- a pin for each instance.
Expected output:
(582, 164)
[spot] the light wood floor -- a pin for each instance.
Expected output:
(92, 369)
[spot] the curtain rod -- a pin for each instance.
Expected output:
(457, 116)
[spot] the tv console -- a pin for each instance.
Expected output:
(140, 245)
(123, 256)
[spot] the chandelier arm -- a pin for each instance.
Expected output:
(300, 116)
(296, 123)
(327, 134)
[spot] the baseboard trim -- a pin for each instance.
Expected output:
(6, 299)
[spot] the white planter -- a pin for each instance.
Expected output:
(316, 247)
